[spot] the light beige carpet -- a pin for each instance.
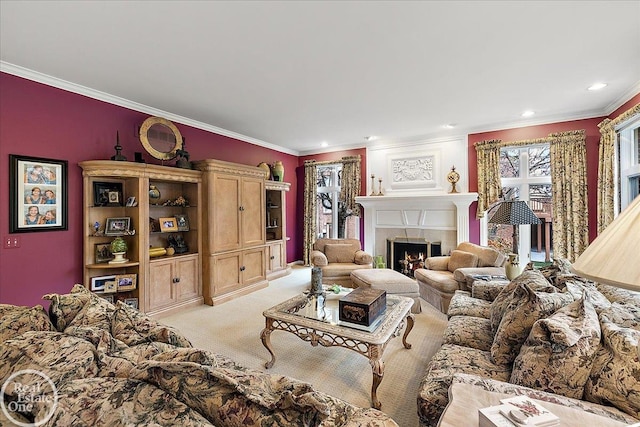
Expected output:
(233, 329)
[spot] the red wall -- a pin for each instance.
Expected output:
(42, 121)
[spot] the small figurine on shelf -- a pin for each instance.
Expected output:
(118, 156)
(183, 157)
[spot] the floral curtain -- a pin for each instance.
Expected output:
(310, 208)
(569, 193)
(606, 166)
(350, 187)
(489, 186)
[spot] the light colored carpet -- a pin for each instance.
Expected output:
(233, 329)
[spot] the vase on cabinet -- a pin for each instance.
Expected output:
(277, 171)
(513, 268)
(154, 194)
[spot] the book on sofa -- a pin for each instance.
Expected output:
(517, 411)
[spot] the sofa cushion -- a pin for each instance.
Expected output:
(615, 376)
(558, 354)
(14, 320)
(441, 280)
(526, 307)
(487, 257)
(461, 259)
(133, 327)
(463, 304)
(532, 278)
(469, 331)
(336, 252)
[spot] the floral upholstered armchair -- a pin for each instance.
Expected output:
(338, 258)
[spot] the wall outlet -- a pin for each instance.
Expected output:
(11, 242)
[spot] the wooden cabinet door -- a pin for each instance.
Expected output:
(188, 286)
(254, 267)
(253, 221)
(227, 216)
(160, 293)
(274, 257)
(226, 272)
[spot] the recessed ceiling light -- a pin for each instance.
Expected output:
(324, 144)
(449, 126)
(597, 86)
(528, 113)
(370, 138)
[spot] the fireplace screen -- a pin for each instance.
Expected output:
(405, 255)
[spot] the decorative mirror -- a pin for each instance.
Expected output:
(160, 138)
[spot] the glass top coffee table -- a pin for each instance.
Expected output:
(316, 321)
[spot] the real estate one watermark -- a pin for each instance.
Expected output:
(26, 392)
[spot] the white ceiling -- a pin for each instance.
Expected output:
(293, 74)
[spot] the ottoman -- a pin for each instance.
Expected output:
(393, 282)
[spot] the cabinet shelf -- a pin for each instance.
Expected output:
(106, 265)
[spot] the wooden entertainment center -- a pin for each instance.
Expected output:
(231, 239)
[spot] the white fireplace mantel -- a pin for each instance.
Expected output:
(431, 211)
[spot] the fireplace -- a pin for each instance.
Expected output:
(406, 254)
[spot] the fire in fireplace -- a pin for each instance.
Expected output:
(406, 254)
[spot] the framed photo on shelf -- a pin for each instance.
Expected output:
(103, 253)
(131, 201)
(110, 287)
(37, 194)
(117, 226)
(168, 224)
(107, 193)
(98, 282)
(126, 282)
(182, 221)
(133, 302)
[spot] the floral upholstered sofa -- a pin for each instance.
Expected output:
(111, 365)
(547, 334)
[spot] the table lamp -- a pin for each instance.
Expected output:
(514, 212)
(613, 257)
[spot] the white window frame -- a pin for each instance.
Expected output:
(524, 232)
(627, 162)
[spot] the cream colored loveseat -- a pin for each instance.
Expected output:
(444, 275)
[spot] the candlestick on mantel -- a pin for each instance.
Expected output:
(373, 190)
(380, 183)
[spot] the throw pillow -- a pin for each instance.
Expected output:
(15, 320)
(532, 278)
(614, 378)
(558, 354)
(65, 307)
(524, 310)
(339, 252)
(462, 259)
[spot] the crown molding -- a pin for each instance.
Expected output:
(36, 76)
(626, 96)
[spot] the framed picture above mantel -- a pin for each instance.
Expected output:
(38, 194)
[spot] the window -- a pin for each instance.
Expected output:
(628, 162)
(526, 175)
(333, 220)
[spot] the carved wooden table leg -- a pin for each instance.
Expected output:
(377, 367)
(265, 336)
(410, 321)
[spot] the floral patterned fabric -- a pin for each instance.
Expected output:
(113, 366)
(615, 376)
(532, 278)
(16, 320)
(487, 290)
(558, 354)
(462, 304)
(468, 331)
(449, 360)
(525, 308)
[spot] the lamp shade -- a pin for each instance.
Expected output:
(514, 212)
(613, 258)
